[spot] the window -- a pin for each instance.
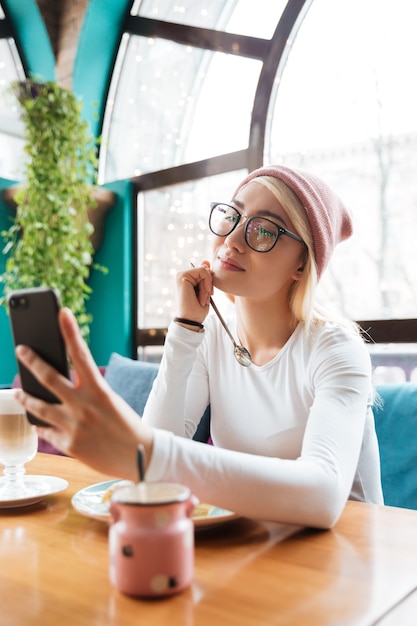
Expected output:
(11, 128)
(348, 113)
(177, 218)
(229, 16)
(177, 104)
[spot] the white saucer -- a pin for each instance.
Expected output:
(40, 486)
(89, 502)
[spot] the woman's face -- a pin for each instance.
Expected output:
(241, 271)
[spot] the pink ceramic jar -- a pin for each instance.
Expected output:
(151, 539)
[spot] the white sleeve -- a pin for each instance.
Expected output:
(179, 395)
(311, 490)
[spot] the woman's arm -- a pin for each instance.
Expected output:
(310, 490)
(179, 394)
(92, 422)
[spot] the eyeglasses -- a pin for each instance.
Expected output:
(261, 234)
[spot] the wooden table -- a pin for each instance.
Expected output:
(54, 569)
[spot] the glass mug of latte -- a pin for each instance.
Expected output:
(18, 445)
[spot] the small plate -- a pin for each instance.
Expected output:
(41, 485)
(88, 501)
(214, 517)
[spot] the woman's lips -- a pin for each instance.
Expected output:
(228, 264)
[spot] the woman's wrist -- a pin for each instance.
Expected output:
(190, 324)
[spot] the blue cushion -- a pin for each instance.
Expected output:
(396, 427)
(132, 380)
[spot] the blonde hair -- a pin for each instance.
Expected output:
(302, 293)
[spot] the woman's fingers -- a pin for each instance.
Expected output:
(78, 352)
(89, 421)
(103, 432)
(87, 373)
(205, 286)
(47, 375)
(194, 288)
(50, 413)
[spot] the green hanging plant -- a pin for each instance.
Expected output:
(48, 243)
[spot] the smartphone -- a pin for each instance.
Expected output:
(34, 321)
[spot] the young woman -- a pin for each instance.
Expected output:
(293, 432)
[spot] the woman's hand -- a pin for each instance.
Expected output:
(193, 290)
(92, 422)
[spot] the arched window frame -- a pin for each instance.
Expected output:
(272, 53)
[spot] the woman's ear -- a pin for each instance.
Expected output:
(298, 274)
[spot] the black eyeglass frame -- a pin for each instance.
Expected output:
(281, 230)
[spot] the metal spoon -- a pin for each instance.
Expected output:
(140, 460)
(242, 355)
(141, 485)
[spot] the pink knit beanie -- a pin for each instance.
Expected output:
(330, 221)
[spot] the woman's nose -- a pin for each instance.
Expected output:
(236, 239)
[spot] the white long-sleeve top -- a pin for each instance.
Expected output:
(293, 439)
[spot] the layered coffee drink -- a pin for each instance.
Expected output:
(18, 438)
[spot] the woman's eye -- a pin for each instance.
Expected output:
(264, 233)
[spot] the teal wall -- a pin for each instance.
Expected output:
(7, 360)
(97, 48)
(111, 302)
(33, 39)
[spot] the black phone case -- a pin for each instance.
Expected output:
(34, 321)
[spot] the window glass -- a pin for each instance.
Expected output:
(176, 104)
(345, 108)
(11, 127)
(233, 16)
(173, 232)
(394, 363)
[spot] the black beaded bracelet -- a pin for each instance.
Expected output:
(182, 320)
